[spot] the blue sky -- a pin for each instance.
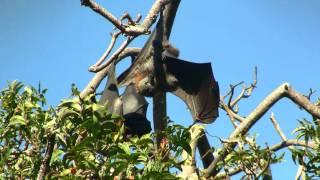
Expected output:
(54, 42)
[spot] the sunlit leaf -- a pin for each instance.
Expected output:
(17, 120)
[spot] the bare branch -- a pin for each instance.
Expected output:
(114, 55)
(277, 127)
(132, 28)
(230, 172)
(311, 92)
(233, 116)
(246, 91)
(284, 138)
(231, 91)
(293, 142)
(127, 16)
(114, 37)
(96, 80)
(284, 90)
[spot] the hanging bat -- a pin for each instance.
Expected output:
(194, 83)
(110, 94)
(130, 105)
(134, 112)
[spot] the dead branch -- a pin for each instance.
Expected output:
(114, 55)
(246, 91)
(98, 77)
(131, 28)
(277, 127)
(284, 138)
(114, 37)
(232, 115)
(311, 92)
(284, 90)
(293, 142)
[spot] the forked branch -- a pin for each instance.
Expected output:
(114, 37)
(98, 77)
(284, 90)
(132, 28)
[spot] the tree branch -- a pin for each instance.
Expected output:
(205, 150)
(293, 142)
(274, 148)
(98, 77)
(277, 127)
(283, 90)
(114, 55)
(189, 168)
(129, 29)
(162, 34)
(114, 37)
(44, 168)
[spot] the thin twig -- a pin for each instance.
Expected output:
(311, 92)
(114, 55)
(132, 28)
(114, 37)
(231, 113)
(246, 91)
(98, 77)
(277, 127)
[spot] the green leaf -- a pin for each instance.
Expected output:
(143, 158)
(17, 120)
(62, 139)
(50, 125)
(65, 172)
(28, 90)
(75, 90)
(125, 147)
(56, 155)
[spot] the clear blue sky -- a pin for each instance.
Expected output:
(55, 42)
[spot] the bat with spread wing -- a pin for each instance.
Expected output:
(194, 83)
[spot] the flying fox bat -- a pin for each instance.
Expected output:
(156, 68)
(134, 112)
(194, 83)
(131, 105)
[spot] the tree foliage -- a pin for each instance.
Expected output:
(89, 141)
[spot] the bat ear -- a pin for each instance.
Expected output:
(195, 84)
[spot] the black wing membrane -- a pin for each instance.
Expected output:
(110, 94)
(134, 111)
(131, 105)
(196, 86)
